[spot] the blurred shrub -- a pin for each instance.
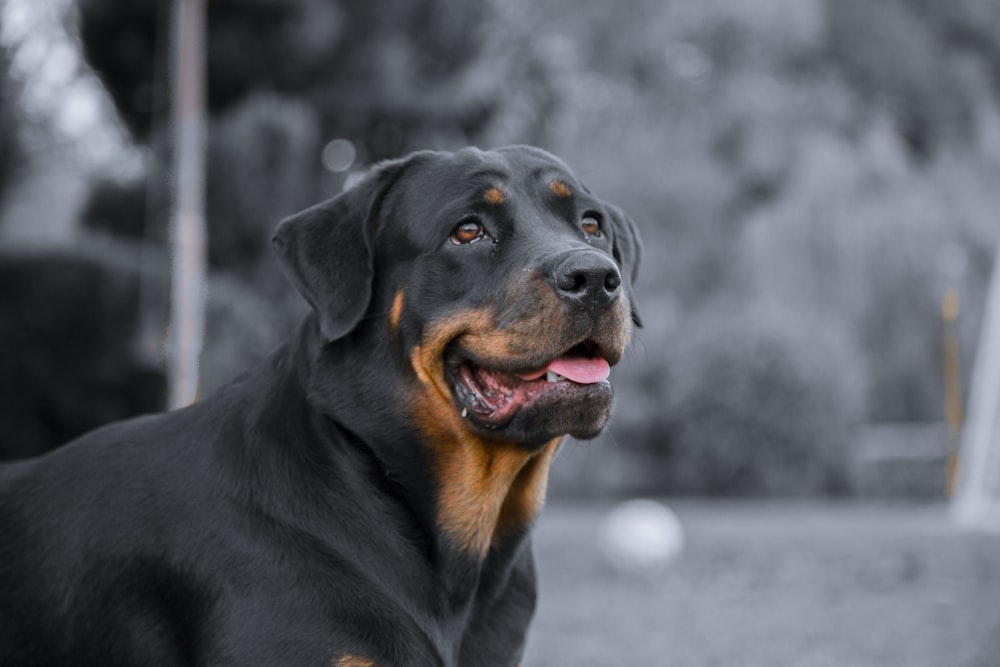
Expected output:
(82, 343)
(751, 400)
(389, 76)
(836, 157)
(762, 402)
(864, 238)
(895, 60)
(11, 151)
(119, 208)
(262, 165)
(242, 326)
(70, 359)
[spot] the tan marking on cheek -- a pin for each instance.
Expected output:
(534, 316)
(395, 312)
(428, 357)
(482, 482)
(494, 197)
(560, 190)
(490, 489)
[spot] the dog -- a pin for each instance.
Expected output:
(365, 496)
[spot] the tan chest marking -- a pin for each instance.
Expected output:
(488, 489)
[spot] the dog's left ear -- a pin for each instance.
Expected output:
(326, 251)
(627, 250)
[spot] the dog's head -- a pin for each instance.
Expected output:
(503, 282)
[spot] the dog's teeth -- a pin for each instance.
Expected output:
(551, 376)
(465, 412)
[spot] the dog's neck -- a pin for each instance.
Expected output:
(478, 524)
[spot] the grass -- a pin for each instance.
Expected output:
(769, 584)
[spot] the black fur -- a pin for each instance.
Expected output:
(289, 519)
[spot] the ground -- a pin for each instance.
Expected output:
(766, 584)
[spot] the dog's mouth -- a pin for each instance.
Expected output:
(492, 397)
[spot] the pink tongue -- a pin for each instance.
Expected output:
(580, 370)
(576, 369)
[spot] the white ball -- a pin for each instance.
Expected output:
(641, 536)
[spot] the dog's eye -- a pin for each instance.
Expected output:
(467, 231)
(591, 225)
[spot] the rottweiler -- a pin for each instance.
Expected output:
(364, 497)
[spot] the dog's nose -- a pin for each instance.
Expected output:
(589, 279)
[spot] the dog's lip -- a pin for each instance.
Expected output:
(492, 396)
(534, 367)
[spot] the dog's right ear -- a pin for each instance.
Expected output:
(327, 252)
(627, 250)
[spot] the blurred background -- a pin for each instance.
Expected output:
(817, 183)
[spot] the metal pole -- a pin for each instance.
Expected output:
(187, 285)
(977, 501)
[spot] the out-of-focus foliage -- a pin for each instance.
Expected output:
(873, 244)
(119, 208)
(388, 74)
(284, 78)
(262, 165)
(68, 329)
(121, 41)
(826, 161)
(11, 150)
(894, 60)
(809, 176)
(751, 398)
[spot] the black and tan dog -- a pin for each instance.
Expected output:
(365, 496)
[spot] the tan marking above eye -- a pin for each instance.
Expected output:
(494, 196)
(396, 311)
(560, 190)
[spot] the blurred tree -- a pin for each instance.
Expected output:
(68, 324)
(118, 208)
(125, 43)
(894, 58)
(827, 155)
(262, 166)
(11, 151)
(965, 26)
(287, 76)
(381, 74)
(747, 398)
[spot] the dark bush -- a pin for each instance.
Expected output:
(893, 58)
(11, 150)
(80, 349)
(753, 401)
(396, 69)
(263, 164)
(69, 355)
(119, 208)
